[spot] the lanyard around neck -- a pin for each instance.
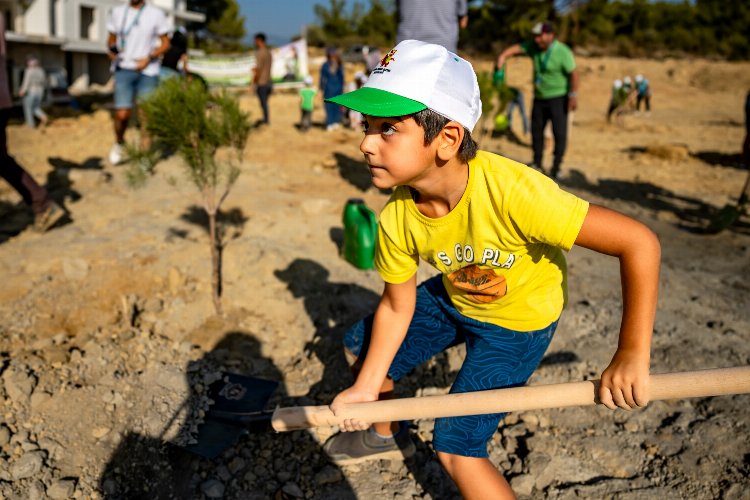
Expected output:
(545, 59)
(124, 32)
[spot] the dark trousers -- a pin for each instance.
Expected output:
(306, 120)
(646, 99)
(263, 92)
(333, 113)
(32, 193)
(556, 110)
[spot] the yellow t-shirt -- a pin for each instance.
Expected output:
(510, 218)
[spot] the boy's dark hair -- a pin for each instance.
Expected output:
(433, 123)
(260, 36)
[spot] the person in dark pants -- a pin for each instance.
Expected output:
(46, 212)
(555, 88)
(331, 84)
(262, 74)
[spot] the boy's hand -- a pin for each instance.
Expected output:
(352, 395)
(624, 383)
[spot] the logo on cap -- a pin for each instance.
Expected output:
(385, 61)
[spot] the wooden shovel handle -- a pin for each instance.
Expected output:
(703, 383)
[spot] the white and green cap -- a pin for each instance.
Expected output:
(414, 76)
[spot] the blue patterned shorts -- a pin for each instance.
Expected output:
(495, 357)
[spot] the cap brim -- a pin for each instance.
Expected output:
(376, 102)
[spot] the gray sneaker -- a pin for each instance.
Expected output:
(347, 448)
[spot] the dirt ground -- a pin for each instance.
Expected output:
(106, 319)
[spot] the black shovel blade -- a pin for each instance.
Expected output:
(238, 408)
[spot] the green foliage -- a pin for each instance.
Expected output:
(184, 117)
(378, 25)
(626, 27)
(224, 26)
(373, 25)
(333, 20)
(187, 119)
(487, 91)
(141, 163)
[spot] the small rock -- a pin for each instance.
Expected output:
(293, 490)
(61, 489)
(223, 473)
(18, 385)
(523, 484)
(75, 268)
(100, 432)
(236, 465)
(328, 475)
(27, 466)
(36, 490)
(213, 488)
(4, 435)
(109, 487)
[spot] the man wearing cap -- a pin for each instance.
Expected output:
(555, 89)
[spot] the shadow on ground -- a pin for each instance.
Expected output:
(694, 215)
(260, 465)
(333, 308)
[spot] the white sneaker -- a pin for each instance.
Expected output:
(115, 154)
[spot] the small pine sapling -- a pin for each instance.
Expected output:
(196, 124)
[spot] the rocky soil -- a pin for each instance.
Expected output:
(107, 327)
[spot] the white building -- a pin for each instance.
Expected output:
(69, 36)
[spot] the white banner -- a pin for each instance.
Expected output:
(289, 67)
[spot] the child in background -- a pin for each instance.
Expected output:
(32, 91)
(355, 117)
(496, 231)
(644, 93)
(307, 103)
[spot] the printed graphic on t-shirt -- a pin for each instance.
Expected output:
(465, 253)
(480, 285)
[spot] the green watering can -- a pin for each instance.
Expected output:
(360, 234)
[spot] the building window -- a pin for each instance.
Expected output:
(88, 23)
(53, 17)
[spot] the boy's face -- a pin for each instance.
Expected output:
(395, 151)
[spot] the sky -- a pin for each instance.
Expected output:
(278, 19)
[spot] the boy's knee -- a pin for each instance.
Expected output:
(449, 461)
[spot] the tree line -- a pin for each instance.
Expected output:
(709, 28)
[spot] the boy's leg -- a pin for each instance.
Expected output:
(495, 357)
(476, 477)
(431, 331)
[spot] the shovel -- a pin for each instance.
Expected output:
(239, 402)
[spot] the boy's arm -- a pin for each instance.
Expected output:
(625, 381)
(392, 318)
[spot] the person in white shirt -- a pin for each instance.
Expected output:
(138, 36)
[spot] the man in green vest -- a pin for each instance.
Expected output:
(555, 89)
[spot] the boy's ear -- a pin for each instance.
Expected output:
(451, 138)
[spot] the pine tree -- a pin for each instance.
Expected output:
(187, 119)
(227, 32)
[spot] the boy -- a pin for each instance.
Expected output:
(307, 104)
(495, 229)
